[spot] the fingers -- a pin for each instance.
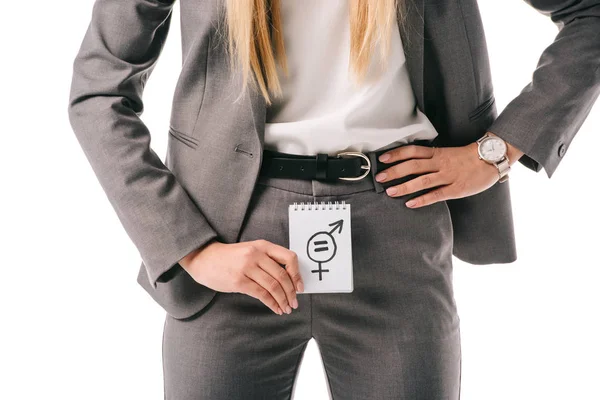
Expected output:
(406, 152)
(451, 172)
(283, 256)
(285, 282)
(408, 167)
(422, 182)
(278, 282)
(256, 290)
(275, 280)
(431, 197)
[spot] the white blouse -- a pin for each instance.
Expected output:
(321, 110)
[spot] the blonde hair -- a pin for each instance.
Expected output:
(255, 38)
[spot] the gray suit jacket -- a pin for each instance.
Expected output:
(201, 191)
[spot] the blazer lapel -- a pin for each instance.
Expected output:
(258, 110)
(412, 43)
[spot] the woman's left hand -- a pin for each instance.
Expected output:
(457, 170)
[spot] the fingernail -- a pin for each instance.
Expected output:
(411, 203)
(288, 309)
(279, 311)
(381, 176)
(384, 157)
(295, 303)
(300, 287)
(391, 190)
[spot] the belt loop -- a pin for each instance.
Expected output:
(321, 161)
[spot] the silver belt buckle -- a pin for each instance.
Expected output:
(356, 154)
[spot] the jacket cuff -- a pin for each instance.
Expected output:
(540, 127)
(166, 267)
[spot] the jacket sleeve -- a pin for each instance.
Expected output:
(544, 118)
(118, 52)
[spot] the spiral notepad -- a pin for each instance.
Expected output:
(320, 234)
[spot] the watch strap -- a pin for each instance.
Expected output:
(503, 168)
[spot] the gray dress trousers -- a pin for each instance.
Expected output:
(396, 336)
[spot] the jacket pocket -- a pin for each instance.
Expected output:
(482, 108)
(183, 138)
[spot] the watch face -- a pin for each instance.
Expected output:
(492, 149)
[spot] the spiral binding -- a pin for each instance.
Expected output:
(320, 206)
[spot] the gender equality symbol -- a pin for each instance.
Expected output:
(321, 247)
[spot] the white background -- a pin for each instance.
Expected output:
(76, 325)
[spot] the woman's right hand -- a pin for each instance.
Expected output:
(252, 268)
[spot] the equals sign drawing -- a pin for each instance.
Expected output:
(322, 243)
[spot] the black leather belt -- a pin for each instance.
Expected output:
(349, 165)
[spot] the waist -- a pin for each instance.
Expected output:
(344, 165)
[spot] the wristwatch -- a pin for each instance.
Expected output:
(493, 150)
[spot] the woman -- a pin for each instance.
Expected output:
(270, 93)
